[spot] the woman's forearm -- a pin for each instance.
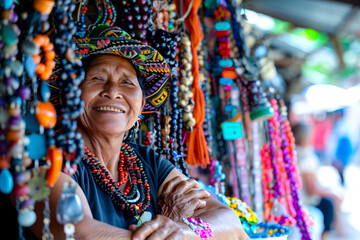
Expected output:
(223, 220)
(93, 229)
(225, 224)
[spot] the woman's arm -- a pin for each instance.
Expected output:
(225, 223)
(88, 228)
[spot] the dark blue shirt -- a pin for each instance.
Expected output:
(157, 169)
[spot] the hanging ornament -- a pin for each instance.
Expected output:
(69, 209)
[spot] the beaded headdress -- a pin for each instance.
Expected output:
(151, 67)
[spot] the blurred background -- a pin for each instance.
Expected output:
(313, 53)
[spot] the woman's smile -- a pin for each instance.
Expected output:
(109, 109)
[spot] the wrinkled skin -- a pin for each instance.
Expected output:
(181, 198)
(160, 227)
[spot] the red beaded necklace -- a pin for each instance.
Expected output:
(136, 196)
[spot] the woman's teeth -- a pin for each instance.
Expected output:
(112, 109)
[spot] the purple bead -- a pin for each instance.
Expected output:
(14, 17)
(129, 18)
(20, 178)
(11, 82)
(24, 92)
(27, 203)
(3, 147)
(15, 120)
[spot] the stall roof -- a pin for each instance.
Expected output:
(327, 16)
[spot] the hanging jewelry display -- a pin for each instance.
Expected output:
(288, 150)
(161, 15)
(256, 172)
(172, 16)
(186, 80)
(68, 78)
(14, 95)
(134, 16)
(165, 43)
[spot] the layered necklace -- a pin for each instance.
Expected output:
(136, 196)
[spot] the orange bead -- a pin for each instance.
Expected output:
(44, 6)
(14, 111)
(50, 64)
(36, 58)
(229, 74)
(48, 47)
(45, 114)
(4, 162)
(40, 68)
(39, 40)
(14, 135)
(55, 156)
(50, 55)
(46, 74)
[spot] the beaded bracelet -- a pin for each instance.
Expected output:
(199, 226)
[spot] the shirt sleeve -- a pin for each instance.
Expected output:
(164, 167)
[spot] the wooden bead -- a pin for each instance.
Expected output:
(182, 103)
(191, 122)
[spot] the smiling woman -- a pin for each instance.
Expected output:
(123, 186)
(113, 96)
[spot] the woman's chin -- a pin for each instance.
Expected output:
(111, 127)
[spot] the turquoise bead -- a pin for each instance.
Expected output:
(222, 26)
(226, 63)
(229, 108)
(37, 146)
(226, 81)
(6, 4)
(260, 51)
(30, 66)
(232, 130)
(26, 218)
(8, 35)
(6, 181)
(17, 68)
(45, 91)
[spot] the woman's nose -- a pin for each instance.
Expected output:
(111, 90)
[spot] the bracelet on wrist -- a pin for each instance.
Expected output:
(199, 226)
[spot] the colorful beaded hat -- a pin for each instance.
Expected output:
(151, 67)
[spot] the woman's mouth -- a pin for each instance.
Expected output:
(109, 109)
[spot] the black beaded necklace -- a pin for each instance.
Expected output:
(137, 198)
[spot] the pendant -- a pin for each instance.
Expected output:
(145, 217)
(38, 188)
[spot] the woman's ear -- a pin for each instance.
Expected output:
(143, 103)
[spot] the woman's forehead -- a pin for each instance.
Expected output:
(109, 63)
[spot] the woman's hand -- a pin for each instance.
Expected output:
(181, 198)
(160, 228)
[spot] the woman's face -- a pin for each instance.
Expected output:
(112, 95)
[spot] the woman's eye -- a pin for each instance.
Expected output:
(125, 81)
(97, 78)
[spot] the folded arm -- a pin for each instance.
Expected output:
(224, 221)
(88, 228)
